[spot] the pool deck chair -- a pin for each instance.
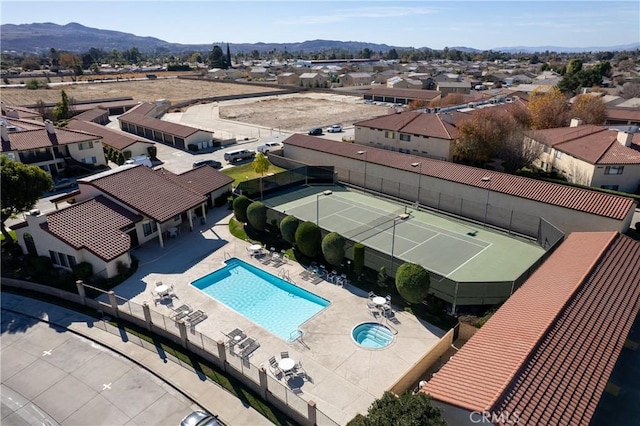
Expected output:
(248, 347)
(181, 311)
(273, 366)
(284, 354)
(236, 336)
(196, 317)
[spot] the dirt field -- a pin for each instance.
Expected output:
(176, 90)
(298, 113)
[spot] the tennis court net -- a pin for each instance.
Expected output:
(380, 223)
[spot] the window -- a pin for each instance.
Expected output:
(547, 149)
(613, 170)
(611, 187)
(89, 160)
(389, 135)
(405, 137)
(85, 145)
(54, 257)
(558, 155)
(72, 260)
(61, 259)
(149, 228)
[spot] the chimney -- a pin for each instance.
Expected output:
(575, 122)
(51, 129)
(4, 132)
(625, 138)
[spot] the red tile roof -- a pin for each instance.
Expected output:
(547, 353)
(573, 198)
(103, 217)
(593, 144)
(627, 114)
(145, 191)
(202, 180)
(163, 126)
(412, 122)
(114, 138)
(40, 138)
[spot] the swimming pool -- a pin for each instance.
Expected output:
(372, 335)
(265, 299)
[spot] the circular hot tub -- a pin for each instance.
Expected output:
(372, 335)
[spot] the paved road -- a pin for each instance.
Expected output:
(53, 376)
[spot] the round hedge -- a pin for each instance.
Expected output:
(288, 227)
(333, 248)
(308, 239)
(257, 215)
(358, 258)
(412, 282)
(240, 206)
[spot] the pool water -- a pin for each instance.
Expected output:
(265, 299)
(372, 335)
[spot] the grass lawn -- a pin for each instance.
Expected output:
(245, 172)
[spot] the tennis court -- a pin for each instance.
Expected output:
(387, 227)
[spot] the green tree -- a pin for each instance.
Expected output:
(574, 66)
(412, 282)
(407, 409)
(308, 239)
(333, 248)
(21, 185)
(62, 111)
(240, 206)
(288, 227)
(257, 215)
(217, 58)
(261, 164)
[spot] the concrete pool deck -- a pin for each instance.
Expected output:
(344, 377)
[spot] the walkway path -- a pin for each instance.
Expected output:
(194, 386)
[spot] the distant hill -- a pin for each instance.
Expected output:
(74, 37)
(77, 38)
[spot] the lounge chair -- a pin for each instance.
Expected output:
(284, 354)
(181, 312)
(273, 366)
(305, 274)
(196, 317)
(248, 347)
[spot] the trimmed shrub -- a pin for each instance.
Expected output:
(152, 151)
(308, 239)
(120, 159)
(257, 215)
(240, 206)
(82, 270)
(127, 154)
(333, 248)
(412, 282)
(192, 147)
(41, 264)
(358, 258)
(288, 227)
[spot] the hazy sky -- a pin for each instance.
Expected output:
(435, 24)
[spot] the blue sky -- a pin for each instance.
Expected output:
(435, 24)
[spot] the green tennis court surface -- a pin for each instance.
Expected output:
(449, 247)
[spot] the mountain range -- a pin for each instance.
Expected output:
(74, 37)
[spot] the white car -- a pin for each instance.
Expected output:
(269, 146)
(336, 128)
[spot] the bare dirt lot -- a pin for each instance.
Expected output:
(299, 112)
(173, 89)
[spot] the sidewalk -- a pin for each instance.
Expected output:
(193, 385)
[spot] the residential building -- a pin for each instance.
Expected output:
(356, 79)
(288, 78)
(313, 79)
(401, 96)
(617, 116)
(591, 155)
(115, 211)
(547, 355)
(447, 87)
(125, 143)
(411, 132)
(51, 148)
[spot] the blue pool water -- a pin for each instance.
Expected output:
(265, 299)
(372, 335)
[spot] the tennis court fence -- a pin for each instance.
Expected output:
(258, 188)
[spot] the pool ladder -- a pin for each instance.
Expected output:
(284, 274)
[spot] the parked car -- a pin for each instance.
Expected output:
(200, 418)
(336, 128)
(237, 155)
(315, 131)
(213, 163)
(269, 146)
(64, 183)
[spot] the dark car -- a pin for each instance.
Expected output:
(315, 131)
(213, 163)
(200, 418)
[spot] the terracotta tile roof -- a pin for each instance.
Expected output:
(548, 351)
(593, 144)
(632, 114)
(91, 115)
(95, 225)
(145, 191)
(569, 197)
(26, 123)
(412, 122)
(142, 109)
(202, 180)
(19, 112)
(113, 138)
(40, 138)
(175, 129)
